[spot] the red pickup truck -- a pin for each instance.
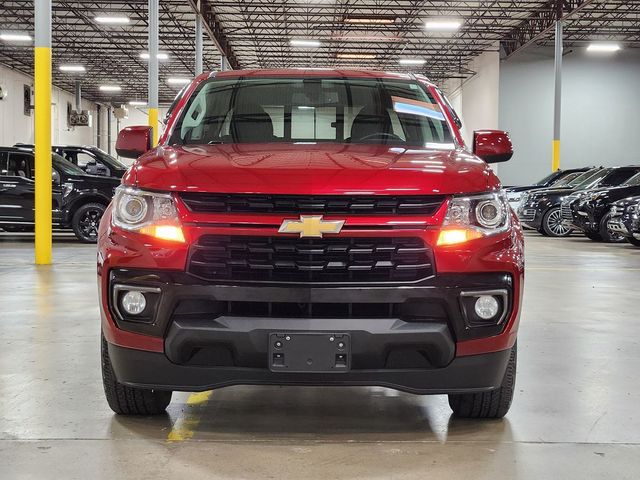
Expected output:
(311, 227)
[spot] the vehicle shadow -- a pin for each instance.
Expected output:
(318, 414)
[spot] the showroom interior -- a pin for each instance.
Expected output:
(95, 100)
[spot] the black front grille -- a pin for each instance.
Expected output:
(295, 260)
(566, 212)
(321, 204)
(413, 310)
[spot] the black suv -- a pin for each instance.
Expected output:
(91, 160)
(79, 199)
(625, 219)
(590, 212)
(540, 209)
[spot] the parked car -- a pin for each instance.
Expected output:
(590, 212)
(540, 210)
(90, 159)
(79, 199)
(625, 219)
(558, 178)
(311, 227)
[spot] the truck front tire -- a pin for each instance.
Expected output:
(491, 404)
(126, 400)
(85, 222)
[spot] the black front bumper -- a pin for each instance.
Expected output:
(401, 336)
(154, 370)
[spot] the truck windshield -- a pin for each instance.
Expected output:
(313, 110)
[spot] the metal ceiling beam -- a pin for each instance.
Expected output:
(214, 29)
(541, 22)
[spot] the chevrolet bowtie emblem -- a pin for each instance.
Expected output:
(311, 226)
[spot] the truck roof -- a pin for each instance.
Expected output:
(316, 72)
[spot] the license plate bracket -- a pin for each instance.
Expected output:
(309, 352)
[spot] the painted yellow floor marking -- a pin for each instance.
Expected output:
(186, 424)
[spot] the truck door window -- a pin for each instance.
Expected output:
(18, 165)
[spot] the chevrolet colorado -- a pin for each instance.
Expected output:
(311, 227)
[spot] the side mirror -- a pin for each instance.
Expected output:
(55, 177)
(134, 141)
(492, 146)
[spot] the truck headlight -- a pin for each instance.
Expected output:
(150, 213)
(470, 217)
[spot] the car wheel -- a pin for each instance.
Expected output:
(633, 241)
(491, 404)
(607, 234)
(126, 400)
(552, 224)
(86, 220)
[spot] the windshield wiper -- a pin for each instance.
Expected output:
(215, 142)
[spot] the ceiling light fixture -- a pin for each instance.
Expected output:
(110, 88)
(443, 25)
(15, 37)
(304, 43)
(603, 47)
(160, 56)
(366, 38)
(177, 81)
(72, 68)
(412, 61)
(356, 56)
(112, 20)
(371, 20)
(138, 103)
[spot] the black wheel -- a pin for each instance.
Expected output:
(552, 224)
(86, 220)
(126, 400)
(607, 234)
(633, 241)
(542, 232)
(491, 404)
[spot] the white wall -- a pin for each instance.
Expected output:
(16, 127)
(136, 116)
(600, 110)
(476, 100)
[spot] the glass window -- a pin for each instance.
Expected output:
(618, 177)
(633, 181)
(565, 180)
(3, 164)
(589, 178)
(18, 165)
(265, 110)
(546, 180)
(66, 166)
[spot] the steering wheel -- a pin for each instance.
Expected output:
(381, 136)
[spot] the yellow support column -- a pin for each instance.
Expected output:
(555, 163)
(153, 122)
(153, 9)
(42, 74)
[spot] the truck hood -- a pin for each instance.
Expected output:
(311, 169)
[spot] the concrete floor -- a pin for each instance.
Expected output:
(575, 414)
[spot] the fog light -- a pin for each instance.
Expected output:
(134, 303)
(487, 307)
